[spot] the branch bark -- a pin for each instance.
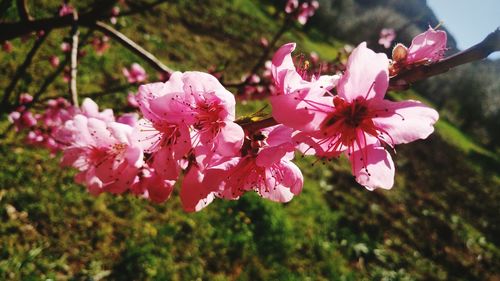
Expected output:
(257, 125)
(265, 54)
(74, 60)
(22, 9)
(21, 70)
(17, 29)
(132, 46)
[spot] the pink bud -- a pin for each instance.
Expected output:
(263, 42)
(65, 47)
(54, 61)
(7, 46)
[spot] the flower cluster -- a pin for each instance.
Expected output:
(425, 48)
(189, 129)
(301, 11)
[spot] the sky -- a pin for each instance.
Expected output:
(468, 21)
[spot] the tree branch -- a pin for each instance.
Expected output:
(132, 46)
(262, 59)
(22, 9)
(21, 70)
(477, 52)
(74, 60)
(253, 126)
(17, 29)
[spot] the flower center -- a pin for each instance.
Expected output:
(350, 114)
(208, 115)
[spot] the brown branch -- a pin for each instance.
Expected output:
(132, 46)
(17, 29)
(46, 83)
(22, 9)
(265, 54)
(253, 126)
(74, 60)
(21, 70)
(477, 52)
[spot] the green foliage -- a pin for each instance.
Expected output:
(440, 222)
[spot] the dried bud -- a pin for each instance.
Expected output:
(399, 53)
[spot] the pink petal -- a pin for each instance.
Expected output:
(206, 85)
(89, 107)
(99, 132)
(282, 62)
(367, 75)
(283, 181)
(429, 45)
(160, 190)
(165, 164)
(230, 139)
(404, 121)
(194, 193)
(379, 169)
(308, 110)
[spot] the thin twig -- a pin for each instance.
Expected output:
(74, 60)
(477, 52)
(21, 70)
(257, 125)
(265, 54)
(4, 6)
(22, 10)
(134, 47)
(56, 73)
(13, 30)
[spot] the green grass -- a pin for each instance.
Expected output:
(440, 217)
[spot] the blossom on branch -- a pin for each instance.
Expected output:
(387, 35)
(294, 88)
(264, 166)
(135, 74)
(106, 154)
(358, 121)
(426, 48)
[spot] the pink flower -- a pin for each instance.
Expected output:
(291, 6)
(152, 186)
(306, 11)
(22, 119)
(54, 61)
(65, 47)
(135, 74)
(130, 119)
(106, 154)
(198, 100)
(7, 46)
(426, 48)
(293, 89)
(66, 9)
(90, 109)
(387, 35)
(100, 44)
(132, 101)
(25, 98)
(359, 122)
(263, 42)
(114, 13)
(264, 167)
(160, 133)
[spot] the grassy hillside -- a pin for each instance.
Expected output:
(440, 221)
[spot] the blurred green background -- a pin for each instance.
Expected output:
(441, 221)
